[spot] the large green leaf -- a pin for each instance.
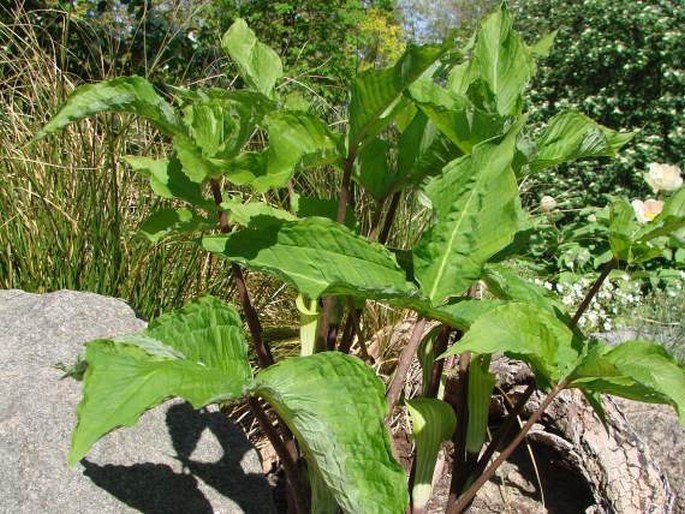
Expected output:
(571, 136)
(296, 140)
(639, 370)
(168, 180)
(198, 353)
(476, 204)
(376, 92)
(259, 65)
(335, 405)
(124, 94)
(528, 333)
(317, 256)
(433, 422)
(504, 61)
(456, 117)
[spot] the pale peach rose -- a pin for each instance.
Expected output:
(547, 203)
(663, 177)
(648, 210)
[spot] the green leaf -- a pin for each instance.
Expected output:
(638, 370)
(543, 46)
(433, 421)
(169, 221)
(307, 206)
(335, 405)
(168, 180)
(255, 214)
(479, 395)
(124, 94)
(318, 256)
(423, 151)
(221, 124)
(198, 353)
(571, 136)
(371, 168)
(455, 116)
(297, 140)
(476, 204)
(528, 333)
(259, 65)
(504, 61)
(376, 92)
(670, 220)
(508, 285)
(625, 235)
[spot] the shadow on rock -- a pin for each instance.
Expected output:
(156, 488)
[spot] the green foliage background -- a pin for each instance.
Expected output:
(621, 62)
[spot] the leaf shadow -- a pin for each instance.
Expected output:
(153, 488)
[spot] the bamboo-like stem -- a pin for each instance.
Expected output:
(395, 389)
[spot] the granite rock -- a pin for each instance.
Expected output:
(175, 460)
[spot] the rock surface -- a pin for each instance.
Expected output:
(176, 460)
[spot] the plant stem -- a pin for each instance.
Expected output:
(395, 389)
(465, 499)
(613, 263)
(390, 217)
(324, 339)
(261, 349)
(292, 475)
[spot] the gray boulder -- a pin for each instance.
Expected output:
(175, 460)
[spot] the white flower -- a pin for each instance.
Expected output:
(648, 210)
(663, 177)
(547, 203)
(592, 218)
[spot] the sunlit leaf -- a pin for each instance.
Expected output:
(335, 405)
(259, 65)
(318, 256)
(476, 204)
(638, 370)
(134, 95)
(525, 332)
(571, 136)
(205, 362)
(375, 92)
